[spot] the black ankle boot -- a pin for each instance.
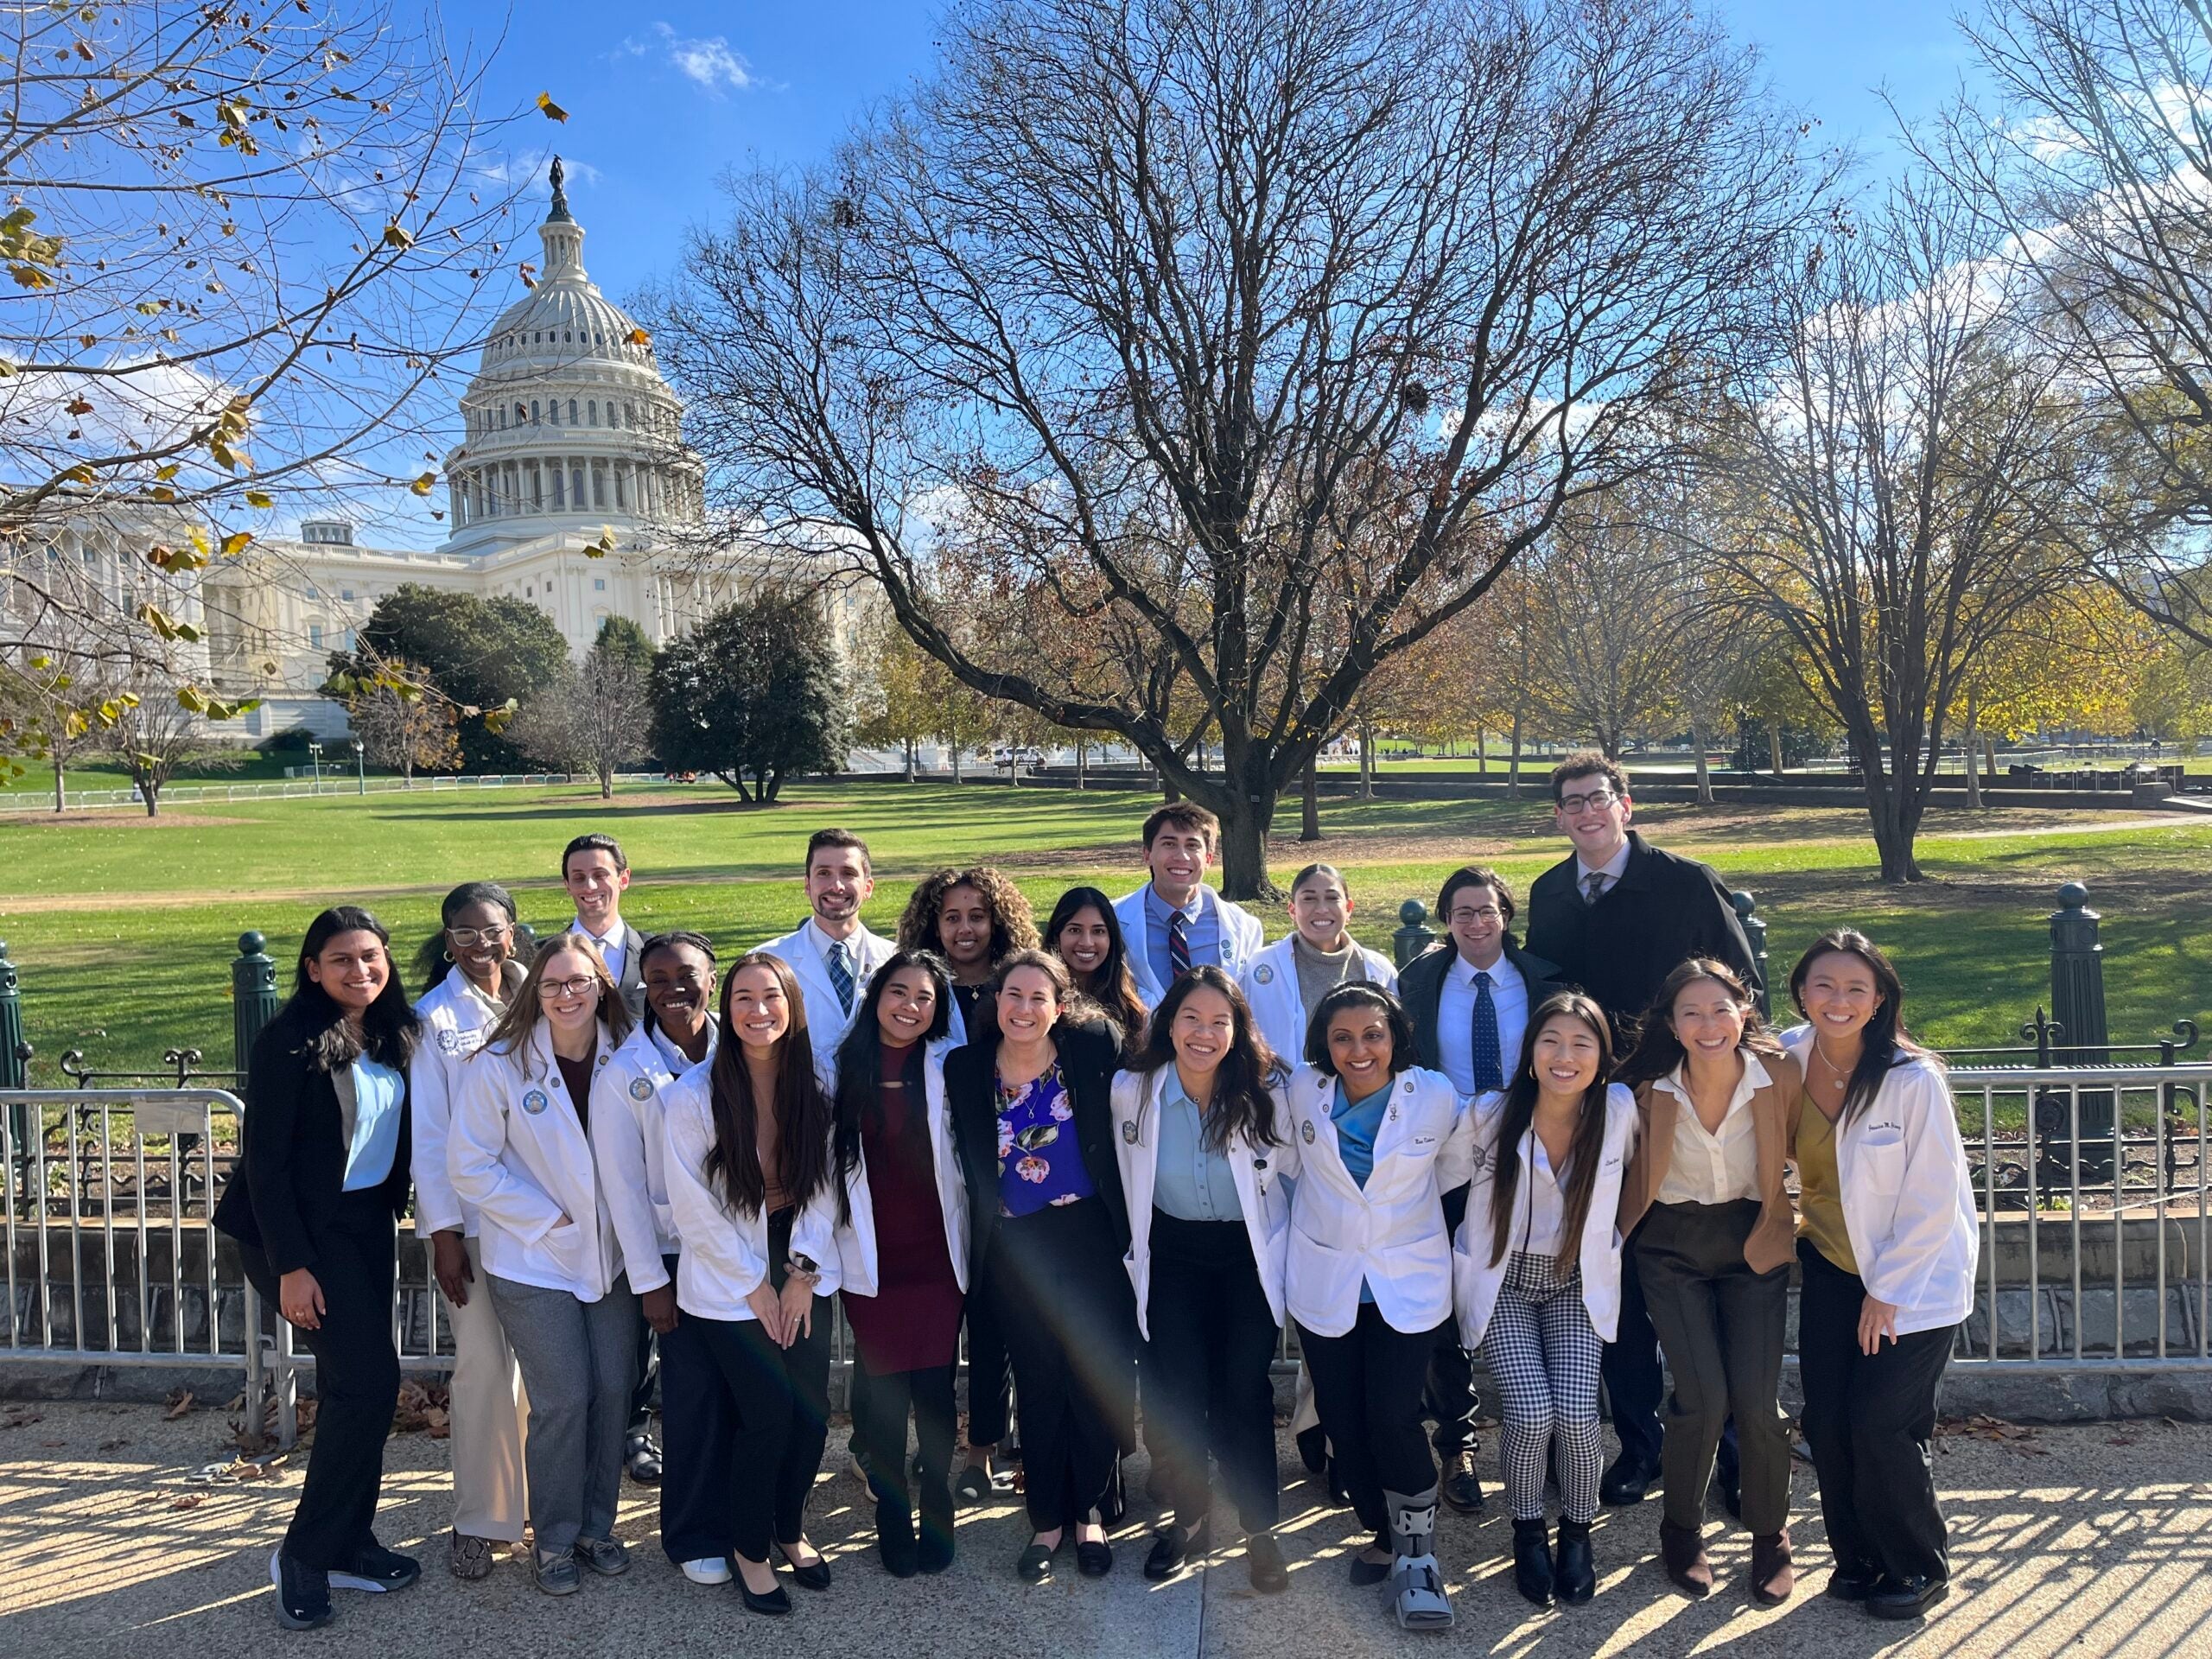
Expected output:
(1532, 1561)
(894, 1536)
(935, 1548)
(1574, 1573)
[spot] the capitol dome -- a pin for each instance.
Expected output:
(569, 425)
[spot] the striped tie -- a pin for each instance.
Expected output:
(1179, 944)
(841, 973)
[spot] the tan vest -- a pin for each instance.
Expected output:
(1775, 1110)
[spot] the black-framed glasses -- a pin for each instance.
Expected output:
(1464, 917)
(550, 989)
(1596, 801)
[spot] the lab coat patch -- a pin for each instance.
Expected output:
(449, 1041)
(1130, 1131)
(641, 1087)
(1264, 973)
(1306, 1134)
(534, 1102)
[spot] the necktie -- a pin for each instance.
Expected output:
(841, 973)
(1179, 944)
(1485, 1053)
(1593, 887)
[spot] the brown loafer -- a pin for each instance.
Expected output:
(1681, 1550)
(1773, 1576)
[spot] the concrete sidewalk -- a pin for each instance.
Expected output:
(2089, 1539)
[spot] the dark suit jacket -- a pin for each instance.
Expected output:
(1089, 1055)
(292, 1148)
(1420, 987)
(1664, 909)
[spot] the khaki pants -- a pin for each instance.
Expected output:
(488, 1412)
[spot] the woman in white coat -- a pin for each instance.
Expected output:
(1198, 1127)
(1536, 1275)
(750, 1181)
(1375, 1143)
(1285, 982)
(902, 1247)
(676, 1033)
(469, 978)
(519, 1149)
(1887, 1249)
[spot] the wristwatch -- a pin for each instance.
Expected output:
(801, 1267)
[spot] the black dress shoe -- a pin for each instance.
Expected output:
(1574, 1572)
(1175, 1544)
(815, 1576)
(1627, 1481)
(1851, 1582)
(1263, 1562)
(1905, 1597)
(1035, 1564)
(1314, 1449)
(1462, 1488)
(1532, 1561)
(974, 1485)
(1366, 1572)
(775, 1603)
(1094, 1560)
(894, 1538)
(641, 1461)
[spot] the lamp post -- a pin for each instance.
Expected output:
(315, 763)
(360, 767)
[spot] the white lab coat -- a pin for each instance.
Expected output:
(1390, 1233)
(1242, 935)
(1907, 1194)
(826, 1020)
(1476, 1279)
(633, 1153)
(725, 1254)
(1256, 1170)
(1270, 985)
(518, 1151)
(455, 1021)
(857, 1260)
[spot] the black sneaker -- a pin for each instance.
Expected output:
(375, 1569)
(303, 1593)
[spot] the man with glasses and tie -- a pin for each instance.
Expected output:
(1175, 922)
(1618, 916)
(1469, 999)
(833, 956)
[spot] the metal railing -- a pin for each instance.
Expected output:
(331, 783)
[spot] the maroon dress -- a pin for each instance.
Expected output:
(913, 1322)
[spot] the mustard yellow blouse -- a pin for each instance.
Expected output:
(1821, 1197)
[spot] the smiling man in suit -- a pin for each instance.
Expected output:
(832, 955)
(596, 875)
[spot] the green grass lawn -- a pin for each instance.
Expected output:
(122, 929)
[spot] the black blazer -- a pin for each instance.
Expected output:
(1089, 1055)
(1664, 909)
(292, 1149)
(1420, 987)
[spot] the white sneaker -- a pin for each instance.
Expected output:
(715, 1569)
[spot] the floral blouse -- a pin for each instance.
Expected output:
(1039, 1162)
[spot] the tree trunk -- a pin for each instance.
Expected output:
(907, 752)
(1513, 767)
(955, 762)
(1244, 822)
(1774, 746)
(152, 792)
(1482, 751)
(606, 780)
(1989, 752)
(1366, 761)
(61, 795)
(1894, 806)
(1703, 771)
(1082, 754)
(1972, 753)
(1309, 818)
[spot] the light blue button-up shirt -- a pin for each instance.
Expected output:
(377, 1090)
(1204, 933)
(1192, 1183)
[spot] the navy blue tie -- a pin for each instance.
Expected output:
(1485, 1053)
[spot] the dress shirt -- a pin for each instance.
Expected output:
(1613, 868)
(1715, 1168)
(1202, 934)
(612, 950)
(1455, 1019)
(369, 1099)
(1192, 1182)
(674, 1057)
(1543, 1209)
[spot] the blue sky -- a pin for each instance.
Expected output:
(666, 97)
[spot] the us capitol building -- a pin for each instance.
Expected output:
(569, 430)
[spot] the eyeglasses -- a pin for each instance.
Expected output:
(1596, 801)
(470, 938)
(1465, 917)
(550, 989)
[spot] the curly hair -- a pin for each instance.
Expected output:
(1014, 927)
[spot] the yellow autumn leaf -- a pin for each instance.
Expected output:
(259, 498)
(638, 337)
(234, 543)
(167, 473)
(396, 236)
(553, 111)
(423, 484)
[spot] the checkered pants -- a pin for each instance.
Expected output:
(1542, 1352)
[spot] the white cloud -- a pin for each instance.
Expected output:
(707, 61)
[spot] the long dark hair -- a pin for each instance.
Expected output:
(1360, 994)
(1241, 1104)
(432, 964)
(388, 1023)
(801, 1110)
(1658, 1051)
(1585, 1153)
(1883, 1044)
(511, 1032)
(857, 1104)
(1111, 986)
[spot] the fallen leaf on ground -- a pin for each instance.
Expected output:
(178, 1404)
(189, 1500)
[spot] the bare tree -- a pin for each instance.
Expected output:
(240, 244)
(1602, 663)
(595, 718)
(153, 735)
(1902, 480)
(1204, 317)
(53, 707)
(403, 723)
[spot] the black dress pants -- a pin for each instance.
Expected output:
(697, 1424)
(1065, 1309)
(356, 1379)
(1634, 1383)
(1207, 1388)
(779, 1403)
(1869, 1419)
(990, 1378)
(1367, 1385)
